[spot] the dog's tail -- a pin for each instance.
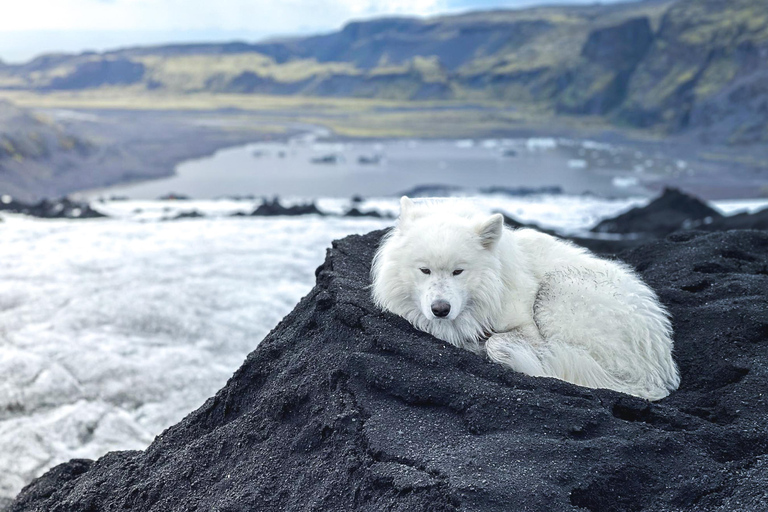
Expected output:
(565, 362)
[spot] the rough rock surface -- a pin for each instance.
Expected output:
(343, 407)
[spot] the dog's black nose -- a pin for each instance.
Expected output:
(441, 308)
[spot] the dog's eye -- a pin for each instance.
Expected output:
(458, 271)
(425, 271)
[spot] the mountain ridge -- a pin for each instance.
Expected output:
(672, 65)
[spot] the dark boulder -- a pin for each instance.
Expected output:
(343, 407)
(671, 211)
(273, 208)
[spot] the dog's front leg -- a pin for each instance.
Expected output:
(520, 349)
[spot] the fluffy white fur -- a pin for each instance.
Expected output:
(537, 304)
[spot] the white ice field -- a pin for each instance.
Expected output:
(111, 330)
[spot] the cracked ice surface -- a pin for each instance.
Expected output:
(111, 331)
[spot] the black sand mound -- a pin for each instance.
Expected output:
(343, 407)
(669, 212)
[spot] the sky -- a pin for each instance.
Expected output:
(32, 27)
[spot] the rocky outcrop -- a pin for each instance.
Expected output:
(343, 407)
(704, 71)
(673, 211)
(608, 59)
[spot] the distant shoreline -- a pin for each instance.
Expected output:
(149, 141)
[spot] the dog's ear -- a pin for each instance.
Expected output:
(406, 209)
(406, 206)
(490, 230)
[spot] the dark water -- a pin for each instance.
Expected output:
(308, 168)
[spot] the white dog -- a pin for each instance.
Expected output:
(537, 304)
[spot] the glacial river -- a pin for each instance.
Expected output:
(308, 166)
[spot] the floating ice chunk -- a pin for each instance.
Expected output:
(577, 164)
(329, 147)
(540, 143)
(624, 182)
(598, 146)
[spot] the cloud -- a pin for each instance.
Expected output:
(253, 15)
(149, 15)
(31, 27)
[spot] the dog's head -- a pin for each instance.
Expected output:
(439, 261)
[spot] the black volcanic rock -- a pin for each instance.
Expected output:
(757, 220)
(63, 208)
(431, 190)
(605, 246)
(191, 214)
(343, 407)
(671, 211)
(10, 204)
(273, 208)
(553, 190)
(355, 212)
